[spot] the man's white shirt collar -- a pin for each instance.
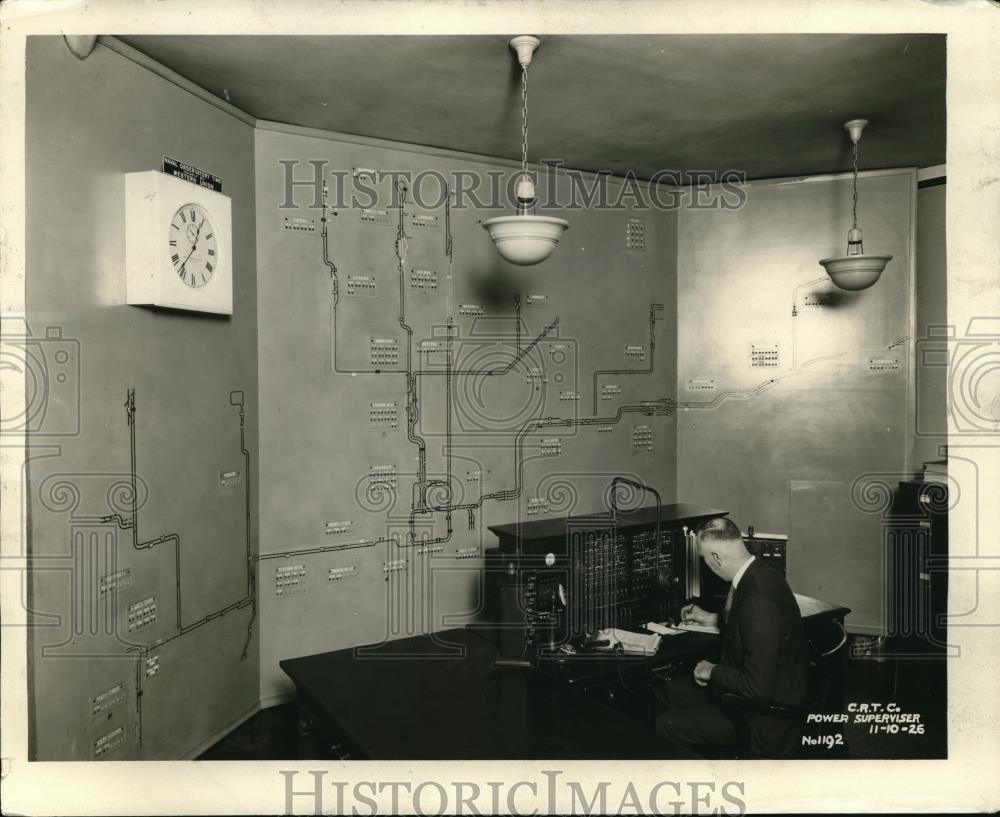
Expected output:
(741, 571)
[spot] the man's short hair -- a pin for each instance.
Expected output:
(719, 529)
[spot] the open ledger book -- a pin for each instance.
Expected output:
(691, 627)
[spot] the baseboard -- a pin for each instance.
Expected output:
(277, 700)
(209, 742)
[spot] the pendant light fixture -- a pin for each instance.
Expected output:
(525, 238)
(855, 270)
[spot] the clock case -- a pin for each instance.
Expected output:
(151, 200)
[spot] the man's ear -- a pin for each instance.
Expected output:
(716, 558)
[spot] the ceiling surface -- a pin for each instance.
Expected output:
(769, 105)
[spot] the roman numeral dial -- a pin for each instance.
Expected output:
(193, 247)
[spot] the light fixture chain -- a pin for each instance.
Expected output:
(855, 201)
(524, 120)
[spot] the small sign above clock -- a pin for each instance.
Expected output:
(190, 173)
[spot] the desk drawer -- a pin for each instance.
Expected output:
(320, 738)
(635, 694)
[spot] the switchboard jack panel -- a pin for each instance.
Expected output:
(109, 742)
(230, 479)
(535, 374)
(424, 280)
(339, 528)
(635, 233)
(883, 365)
(569, 396)
(635, 352)
(818, 298)
(382, 476)
(611, 391)
(559, 353)
(302, 225)
(537, 505)
(764, 355)
(471, 309)
(383, 415)
(467, 553)
(394, 566)
(141, 613)
(338, 574)
(289, 580)
(701, 384)
(152, 665)
(427, 550)
(642, 437)
(383, 352)
(537, 300)
(363, 286)
(376, 216)
(425, 221)
(551, 446)
(430, 347)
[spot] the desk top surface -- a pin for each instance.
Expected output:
(548, 528)
(440, 697)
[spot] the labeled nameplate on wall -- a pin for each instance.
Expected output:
(192, 174)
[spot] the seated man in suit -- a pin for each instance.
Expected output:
(763, 654)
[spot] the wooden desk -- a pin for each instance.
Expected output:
(441, 698)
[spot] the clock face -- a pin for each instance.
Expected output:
(193, 247)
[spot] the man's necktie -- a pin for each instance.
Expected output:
(729, 602)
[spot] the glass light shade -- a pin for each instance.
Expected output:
(525, 239)
(855, 272)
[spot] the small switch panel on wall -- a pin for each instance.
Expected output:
(764, 355)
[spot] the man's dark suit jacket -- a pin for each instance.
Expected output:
(763, 656)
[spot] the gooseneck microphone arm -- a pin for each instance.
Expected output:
(642, 486)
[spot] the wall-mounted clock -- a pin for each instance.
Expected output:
(178, 244)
